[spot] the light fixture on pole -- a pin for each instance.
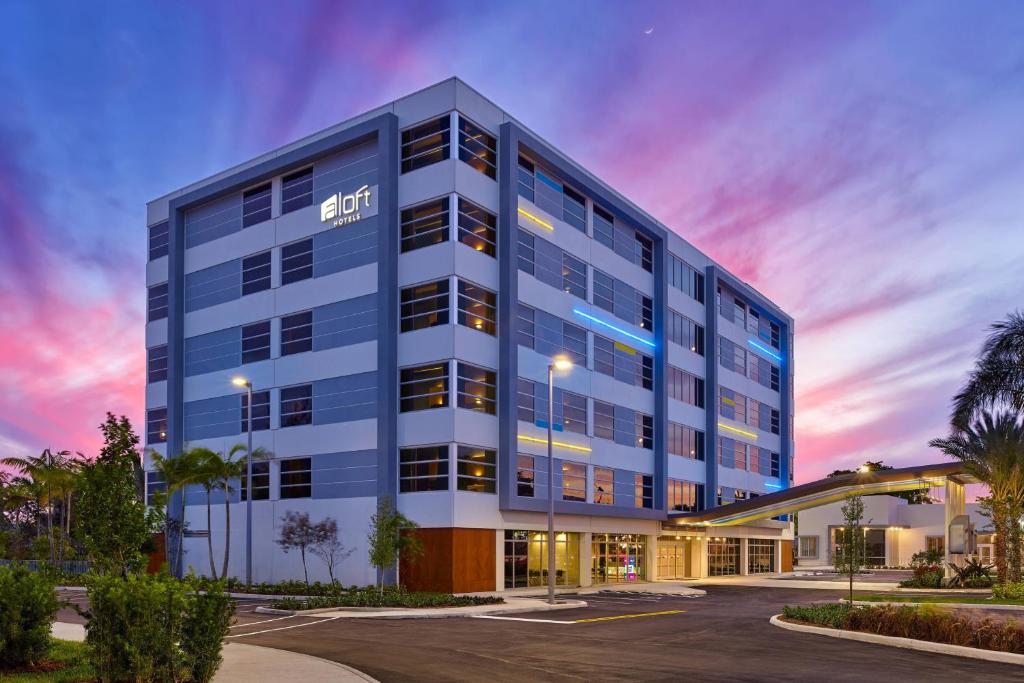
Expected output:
(557, 363)
(243, 382)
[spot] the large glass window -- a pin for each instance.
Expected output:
(477, 388)
(256, 273)
(477, 227)
(297, 333)
(574, 481)
(551, 265)
(526, 559)
(685, 332)
(685, 496)
(156, 364)
(685, 441)
(685, 278)
(477, 148)
(425, 224)
(424, 305)
(425, 144)
(723, 556)
(256, 205)
(297, 261)
(643, 491)
(477, 469)
(297, 190)
(424, 387)
(155, 484)
(296, 405)
(260, 411)
(604, 420)
(158, 240)
(550, 336)
(623, 362)
(526, 475)
(156, 425)
(156, 304)
(618, 558)
(807, 547)
(256, 342)
(604, 486)
(260, 481)
(296, 478)
(477, 308)
(732, 356)
(525, 178)
(424, 468)
(644, 430)
(760, 556)
(685, 387)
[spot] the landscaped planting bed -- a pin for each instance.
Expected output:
(390, 597)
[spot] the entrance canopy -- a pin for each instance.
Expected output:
(825, 491)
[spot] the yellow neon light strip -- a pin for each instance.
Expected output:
(542, 223)
(737, 430)
(628, 349)
(560, 444)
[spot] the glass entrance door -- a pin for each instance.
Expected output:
(672, 560)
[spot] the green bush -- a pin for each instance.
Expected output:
(1008, 591)
(391, 597)
(143, 628)
(925, 576)
(234, 585)
(28, 606)
(831, 614)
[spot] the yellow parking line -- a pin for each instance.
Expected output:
(631, 616)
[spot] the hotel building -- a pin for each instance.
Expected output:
(395, 287)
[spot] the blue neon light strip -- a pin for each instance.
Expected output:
(612, 327)
(773, 486)
(765, 350)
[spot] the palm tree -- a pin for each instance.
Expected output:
(998, 376)
(992, 450)
(50, 471)
(178, 473)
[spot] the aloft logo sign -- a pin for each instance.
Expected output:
(346, 208)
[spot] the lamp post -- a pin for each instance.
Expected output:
(558, 363)
(243, 382)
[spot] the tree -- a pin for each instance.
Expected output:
(918, 497)
(851, 548)
(387, 541)
(55, 475)
(178, 474)
(992, 450)
(998, 375)
(328, 547)
(298, 533)
(113, 522)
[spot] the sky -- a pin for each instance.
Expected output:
(861, 164)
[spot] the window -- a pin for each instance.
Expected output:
(256, 342)
(623, 362)
(623, 300)
(156, 425)
(574, 411)
(645, 308)
(296, 405)
(155, 484)
(256, 205)
(477, 227)
(774, 421)
(477, 307)
(731, 356)
(604, 291)
(604, 486)
(643, 252)
(643, 493)
(525, 401)
(256, 273)
(477, 148)
(685, 441)
(624, 241)
(477, 469)
(423, 469)
(424, 305)
(574, 209)
(425, 144)
(526, 475)
(425, 224)
(555, 336)
(156, 364)
(644, 431)
(732, 405)
(723, 557)
(604, 420)
(156, 305)
(935, 544)
(732, 453)
(552, 196)
(685, 278)
(297, 190)
(296, 478)
(297, 333)
(685, 496)
(760, 556)
(551, 265)
(685, 387)
(574, 482)
(297, 261)
(477, 388)
(775, 461)
(158, 240)
(685, 332)
(807, 547)
(604, 227)
(424, 387)
(260, 481)
(260, 411)
(525, 178)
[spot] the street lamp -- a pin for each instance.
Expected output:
(243, 382)
(557, 363)
(863, 469)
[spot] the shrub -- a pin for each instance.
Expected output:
(925, 576)
(155, 628)
(829, 614)
(391, 596)
(28, 606)
(973, 574)
(1008, 591)
(930, 623)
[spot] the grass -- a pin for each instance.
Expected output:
(66, 663)
(967, 599)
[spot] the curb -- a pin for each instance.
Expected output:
(954, 605)
(356, 673)
(905, 643)
(421, 613)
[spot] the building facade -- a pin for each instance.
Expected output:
(394, 288)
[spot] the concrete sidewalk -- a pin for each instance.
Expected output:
(254, 664)
(512, 605)
(663, 587)
(778, 582)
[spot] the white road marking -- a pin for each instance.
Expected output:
(283, 628)
(541, 621)
(265, 621)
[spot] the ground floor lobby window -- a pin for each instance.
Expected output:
(526, 559)
(619, 558)
(760, 556)
(723, 556)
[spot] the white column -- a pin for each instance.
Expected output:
(586, 558)
(499, 560)
(744, 553)
(955, 506)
